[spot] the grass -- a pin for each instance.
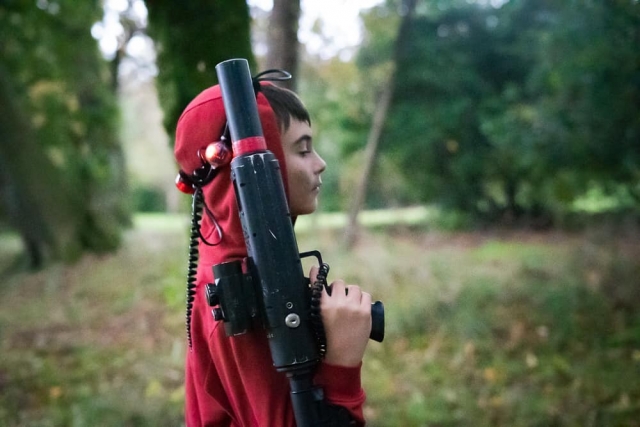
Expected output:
(94, 343)
(483, 329)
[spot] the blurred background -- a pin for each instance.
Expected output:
(483, 181)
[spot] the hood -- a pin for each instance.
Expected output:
(201, 123)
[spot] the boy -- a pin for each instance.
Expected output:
(231, 381)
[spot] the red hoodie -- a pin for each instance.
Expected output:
(232, 381)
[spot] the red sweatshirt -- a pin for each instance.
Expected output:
(232, 381)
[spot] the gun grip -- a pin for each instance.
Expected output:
(377, 321)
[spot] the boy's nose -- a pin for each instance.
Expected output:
(321, 164)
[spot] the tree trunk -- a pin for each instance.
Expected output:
(351, 232)
(380, 116)
(282, 39)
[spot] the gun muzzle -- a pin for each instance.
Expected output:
(240, 106)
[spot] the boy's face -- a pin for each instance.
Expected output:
(304, 167)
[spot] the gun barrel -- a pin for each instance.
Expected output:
(240, 106)
(274, 259)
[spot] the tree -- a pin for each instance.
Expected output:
(63, 169)
(377, 126)
(191, 39)
(514, 112)
(589, 65)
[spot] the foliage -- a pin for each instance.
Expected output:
(327, 87)
(511, 111)
(191, 39)
(148, 199)
(483, 329)
(64, 170)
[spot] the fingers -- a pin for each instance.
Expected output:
(349, 293)
(366, 300)
(346, 315)
(336, 291)
(313, 274)
(338, 288)
(353, 293)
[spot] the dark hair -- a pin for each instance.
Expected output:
(286, 105)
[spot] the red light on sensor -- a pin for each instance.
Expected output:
(217, 154)
(183, 185)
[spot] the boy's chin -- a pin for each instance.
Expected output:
(304, 210)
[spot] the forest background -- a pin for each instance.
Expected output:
(494, 146)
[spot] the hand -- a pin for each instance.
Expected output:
(346, 315)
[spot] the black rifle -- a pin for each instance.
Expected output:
(274, 290)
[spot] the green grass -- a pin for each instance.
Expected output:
(417, 215)
(483, 329)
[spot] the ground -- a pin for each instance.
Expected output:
(494, 327)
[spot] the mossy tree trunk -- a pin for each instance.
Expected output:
(191, 39)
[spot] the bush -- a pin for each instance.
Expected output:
(148, 199)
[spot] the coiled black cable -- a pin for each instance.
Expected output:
(192, 265)
(316, 316)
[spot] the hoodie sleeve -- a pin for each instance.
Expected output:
(342, 386)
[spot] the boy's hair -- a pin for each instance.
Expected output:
(286, 105)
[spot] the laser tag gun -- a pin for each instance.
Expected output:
(274, 290)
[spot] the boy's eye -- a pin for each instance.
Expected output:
(305, 148)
